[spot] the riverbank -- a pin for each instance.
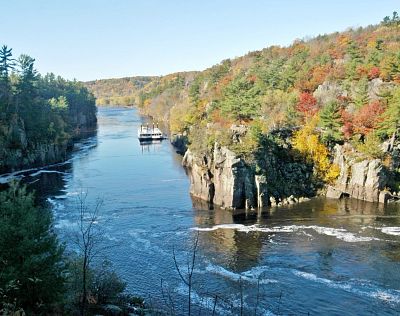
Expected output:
(309, 254)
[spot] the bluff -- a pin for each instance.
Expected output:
(228, 180)
(363, 179)
(331, 90)
(40, 116)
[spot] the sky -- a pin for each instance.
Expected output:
(98, 39)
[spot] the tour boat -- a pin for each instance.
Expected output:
(147, 133)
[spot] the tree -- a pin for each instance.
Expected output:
(367, 118)
(307, 105)
(360, 96)
(31, 258)
(89, 239)
(390, 119)
(28, 76)
(188, 278)
(307, 143)
(6, 62)
(331, 123)
(395, 20)
(241, 99)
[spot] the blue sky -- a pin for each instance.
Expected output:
(94, 39)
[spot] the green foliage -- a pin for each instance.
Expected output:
(241, 99)
(122, 91)
(104, 286)
(391, 21)
(371, 147)
(360, 96)
(32, 269)
(390, 123)
(38, 110)
(331, 123)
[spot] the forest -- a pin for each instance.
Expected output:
(121, 91)
(39, 115)
(331, 89)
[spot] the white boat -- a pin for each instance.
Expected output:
(150, 133)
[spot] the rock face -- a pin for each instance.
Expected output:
(180, 142)
(363, 180)
(328, 91)
(20, 154)
(222, 178)
(225, 180)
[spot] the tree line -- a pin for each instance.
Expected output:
(37, 110)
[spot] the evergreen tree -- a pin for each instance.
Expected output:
(31, 262)
(241, 99)
(360, 96)
(6, 62)
(331, 123)
(390, 123)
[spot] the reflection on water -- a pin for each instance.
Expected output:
(320, 257)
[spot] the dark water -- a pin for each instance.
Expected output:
(321, 257)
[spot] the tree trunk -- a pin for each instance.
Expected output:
(392, 140)
(84, 294)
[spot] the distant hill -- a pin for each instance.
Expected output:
(119, 91)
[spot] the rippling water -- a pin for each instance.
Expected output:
(319, 257)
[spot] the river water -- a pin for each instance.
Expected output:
(322, 257)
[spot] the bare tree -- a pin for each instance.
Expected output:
(89, 239)
(188, 277)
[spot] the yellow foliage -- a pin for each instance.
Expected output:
(306, 141)
(146, 103)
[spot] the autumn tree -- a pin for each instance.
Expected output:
(307, 143)
(331, 123)
(307, 105)
(366, 118)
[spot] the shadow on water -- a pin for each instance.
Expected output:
(51, 180)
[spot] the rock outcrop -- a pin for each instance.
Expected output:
(20, 154)
(180, 142)
(225, 179)
(359, 179)
(222, 178)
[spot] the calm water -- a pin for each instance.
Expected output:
(320, 257)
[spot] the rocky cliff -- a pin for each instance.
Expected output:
(363, 179)
(19, 152)
(225, 179)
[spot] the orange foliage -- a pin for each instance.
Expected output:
(374, 72)
(307, 105)
(366, 118)
(348, 128)
(218, 118)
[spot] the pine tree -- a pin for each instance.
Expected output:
(331, 123)
(361, 96)
(31, 262)
(390, 123)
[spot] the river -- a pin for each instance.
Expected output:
(322, 257)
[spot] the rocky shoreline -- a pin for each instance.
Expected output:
(222, 178)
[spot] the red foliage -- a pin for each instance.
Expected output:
(348, 128)
(366, 118)
(374, 72)
(307, 104)
(252, 78)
